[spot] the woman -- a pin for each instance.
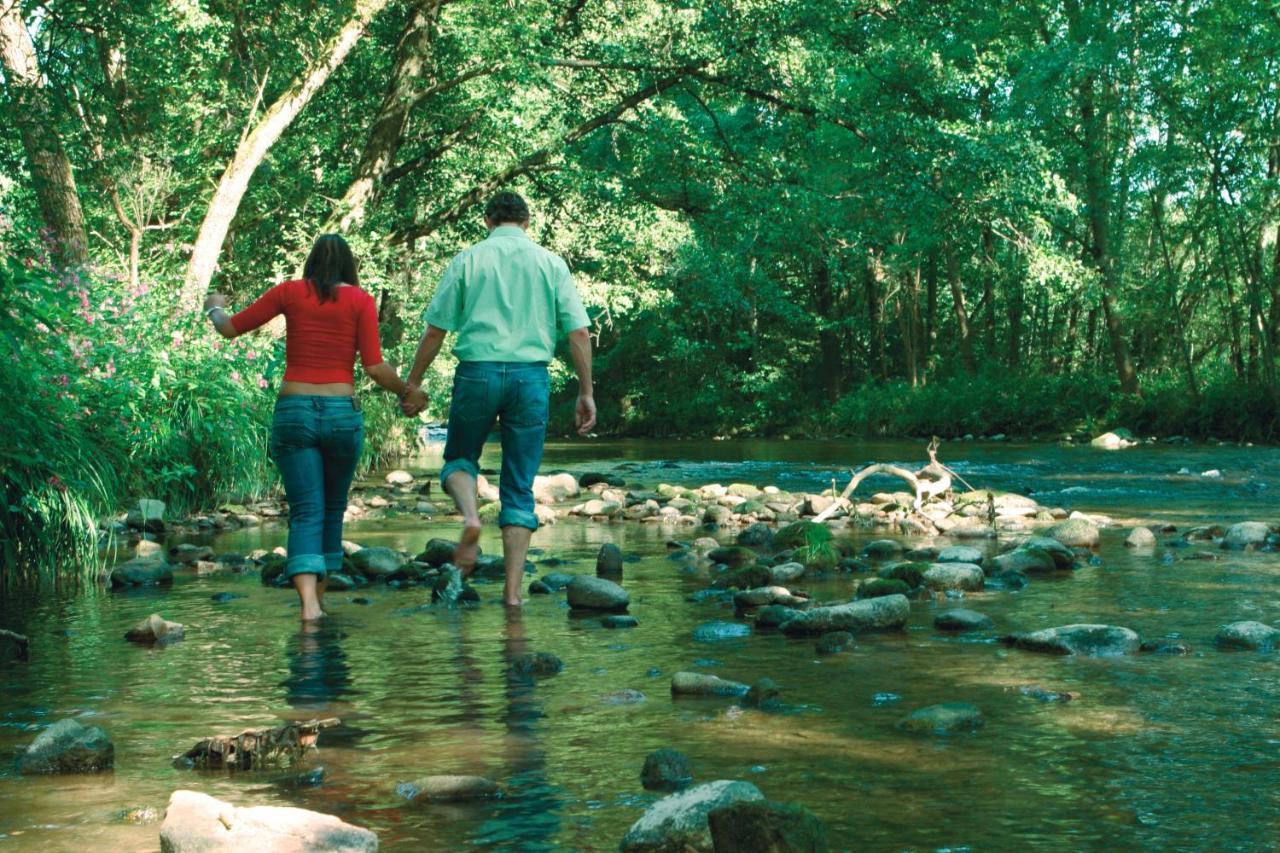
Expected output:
(318, 428)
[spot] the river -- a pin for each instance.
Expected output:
(1155, 751)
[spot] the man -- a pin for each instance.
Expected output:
(508, 299)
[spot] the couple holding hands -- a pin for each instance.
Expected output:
(507, 299)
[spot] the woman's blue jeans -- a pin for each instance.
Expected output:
(515, 394)
(315, 442)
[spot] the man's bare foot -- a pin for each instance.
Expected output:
(464, 556)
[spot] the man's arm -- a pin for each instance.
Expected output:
(428, 349)
(585, 411)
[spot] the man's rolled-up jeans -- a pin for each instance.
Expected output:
(515, 395)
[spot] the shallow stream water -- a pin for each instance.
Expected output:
(1155, 752)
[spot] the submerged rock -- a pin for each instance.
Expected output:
(536, 663)
(666, 770)
(857, 617)
(965, 576)
(450, 789)
(710, 632)
(834, 642)
(1249, 636)
(1165, 646)
(154, 630)
(197, 823)
(946, 718)
(960, 620)
(762, 694)
(13, 646)
(679, 821)
(619, 620)
(704, 684)
(1084, 639)
(762, 826)
(68, 746)
(589, 593)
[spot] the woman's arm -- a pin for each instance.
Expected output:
(215, 308)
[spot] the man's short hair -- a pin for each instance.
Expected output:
(506, 207)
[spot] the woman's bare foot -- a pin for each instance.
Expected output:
(513, 602)
(464, 556)
(314, 615)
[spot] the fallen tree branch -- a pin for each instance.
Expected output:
(931, 480)
(256, 748)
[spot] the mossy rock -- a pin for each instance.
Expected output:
(272, 572)
(734, 556)
(880, 587)
(912, 574)
(747, 577)
(801, 534)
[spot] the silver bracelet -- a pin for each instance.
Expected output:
(208, 312)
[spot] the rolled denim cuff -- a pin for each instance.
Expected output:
(333, 562)
(455, 465)
(305, 564)
(517, 518)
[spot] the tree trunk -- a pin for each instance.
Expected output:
(828, 329)
(957, 307)
(403, 92)
(253, 149)
(931, 306)
(871, 286)
(989, 291)
(51, 174)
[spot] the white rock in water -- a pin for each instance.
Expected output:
(399, 478)
(679, 821)
(197, 823)
(1212, 473)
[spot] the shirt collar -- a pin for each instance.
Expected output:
(508, 231)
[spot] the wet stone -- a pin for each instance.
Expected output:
(710, 632)
(959, 620)
(763, 694)
(536, 663)
(68, 746)
(762, 826)
(666, 770)
(450, 789)
(616, 620)
(834, 642)
(1165, 646)
(946, 718)
(1247, 636)
(609, 561)
(155, 630)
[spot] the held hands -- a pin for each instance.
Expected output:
(413, 401)
(584, 415)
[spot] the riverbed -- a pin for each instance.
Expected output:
(1154, 751)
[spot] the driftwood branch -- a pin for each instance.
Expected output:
(931, 480)
(256, 748)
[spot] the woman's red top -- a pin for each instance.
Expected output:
(321, 338)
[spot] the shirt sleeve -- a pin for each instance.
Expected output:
(570, 315)
(267, 306)
(367, 333)
(445, 310)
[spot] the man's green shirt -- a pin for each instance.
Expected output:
(508, 299)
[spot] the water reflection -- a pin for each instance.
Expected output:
(319, 679)
(530, 812)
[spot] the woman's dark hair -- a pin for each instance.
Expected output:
(329, 265)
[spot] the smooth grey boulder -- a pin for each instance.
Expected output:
(946, 718)
(1029, 561)
(785, 573)
(589, 593)
(1083, 639)
(68, 746)
(959, 620)
(960, 554)
(1140, 537)
(1248, 636)
(965, 576)
(705, 684)
(678, 822)
(197, 823)
(1246, 534)
(1075, 533)
(1062, 555)
(885, 613)
(142, 572)
(666, 770)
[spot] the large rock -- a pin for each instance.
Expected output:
(450, 789)
(13, 646)
(1074, 533)
(554, 488)
(588, 593)
(142, 572)
(1251, 636)
(960, 620)
(679, 822)
(68, 747)
(377, 562)
(1088, 640)
(960, 554)
(965, 576)
(1062, 556)
(761, 826)
(197, 823)
(857, 617)
(1116, 440)
(155, 630)
(1246, 534)
(148, 515)
(438, 552)
(946, 718)
(1029, 561)
(705, 684)
(666, 770)
(609, 561)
